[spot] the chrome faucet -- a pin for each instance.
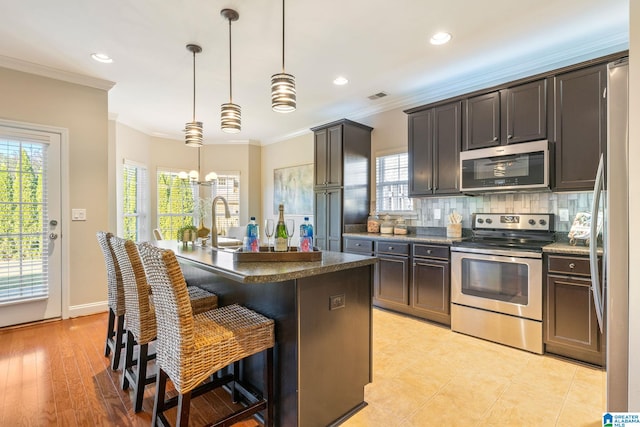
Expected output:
(214, 227)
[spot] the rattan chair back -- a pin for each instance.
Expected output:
(115, 289)
(141, 316)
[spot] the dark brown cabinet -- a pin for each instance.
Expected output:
(580, 126)
(410, 278)
(391, 280)
(435, 136)
(342, 152)
(508, 116)
(430, 282)
(570, 324)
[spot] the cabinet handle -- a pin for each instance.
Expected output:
(429, 251)
(509, 136)
(415, 264)
(572, 265)
(358, 244)
(495, 138)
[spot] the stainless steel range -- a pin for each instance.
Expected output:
(496, 279)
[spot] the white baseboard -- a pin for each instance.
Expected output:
(87, 309)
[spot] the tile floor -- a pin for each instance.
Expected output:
(425, 375)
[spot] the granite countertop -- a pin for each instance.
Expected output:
(566, 248)
(222, 262)
(409, 238)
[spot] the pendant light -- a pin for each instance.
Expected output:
(283, 85)
(230, 116)
(193, 129)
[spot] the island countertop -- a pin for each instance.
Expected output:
(222, 262)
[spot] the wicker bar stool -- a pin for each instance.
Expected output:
(141, 316)
(191, 348)
(115, 301)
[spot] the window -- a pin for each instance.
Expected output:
(134, 188)
(392, 183)
(176, 203)
(227, 186)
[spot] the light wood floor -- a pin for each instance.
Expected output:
(55, 374)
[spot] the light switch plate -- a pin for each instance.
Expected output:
(78, 214)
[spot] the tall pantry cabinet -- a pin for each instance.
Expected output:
(342, 154)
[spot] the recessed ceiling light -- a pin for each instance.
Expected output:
(440, 38)
(102, 57)
(340, 81)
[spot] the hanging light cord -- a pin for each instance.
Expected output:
(283, 36)
(194, 86)
(230, 73)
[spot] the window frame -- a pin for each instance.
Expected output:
(141, 214)
(378, 192)
(170, 233)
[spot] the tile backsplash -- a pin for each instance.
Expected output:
(556, 203)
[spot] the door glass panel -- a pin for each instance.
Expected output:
(23, 221)
(496, 280)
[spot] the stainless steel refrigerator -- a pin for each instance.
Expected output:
(611, 197)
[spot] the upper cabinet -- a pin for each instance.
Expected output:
(508, 116)
(435, 136)
(580, 126)
(328, 157)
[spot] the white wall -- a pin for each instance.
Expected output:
(634, 205)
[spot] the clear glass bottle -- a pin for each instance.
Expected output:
(387, 225)
(373, 223)
(306, 236)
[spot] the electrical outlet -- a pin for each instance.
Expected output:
(336, 301)
(437, 213)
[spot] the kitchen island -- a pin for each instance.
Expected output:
(323, 325)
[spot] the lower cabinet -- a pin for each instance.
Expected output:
(570, 323)
(411, 278)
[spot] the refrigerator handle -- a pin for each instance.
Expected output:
(598, 298)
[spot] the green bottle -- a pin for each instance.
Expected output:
(281, 239)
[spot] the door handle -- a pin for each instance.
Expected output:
(53, 236)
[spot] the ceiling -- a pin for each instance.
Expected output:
(379, 45)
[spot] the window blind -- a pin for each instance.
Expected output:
(134, 190)
(392, 183)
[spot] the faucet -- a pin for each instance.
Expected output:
(214, 227)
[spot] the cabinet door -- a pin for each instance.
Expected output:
(320, 216)
(482, 121)
(391, 282)
(421, 153)
(446, 148)
(430, 289)
(321, 153)
(334, 220)
(580, 126)
(571, 319)
(334, 156)
(525, 112)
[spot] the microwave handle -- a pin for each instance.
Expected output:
(598, 295)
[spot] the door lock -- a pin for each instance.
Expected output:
(53, 236)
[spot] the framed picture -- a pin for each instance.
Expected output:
(293, 186)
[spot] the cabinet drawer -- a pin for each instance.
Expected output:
(569, 265)
(394, 248)
(431, 251)
(358, 245)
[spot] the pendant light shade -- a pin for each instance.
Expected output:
(193, 129)
(230, 114)
(283, 85)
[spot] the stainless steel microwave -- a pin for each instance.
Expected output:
(507, 167)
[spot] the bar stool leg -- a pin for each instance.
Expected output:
(128, 359)
(268, 385)
(141, 379)
(117, 345)
(184, 404)
(158, 404)
(235, 395)
(110, 332)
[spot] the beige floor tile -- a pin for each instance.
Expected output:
(576, 415)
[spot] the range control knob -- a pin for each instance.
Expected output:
(532, 222)
(480, 220)
(542, 222)
(489, 220)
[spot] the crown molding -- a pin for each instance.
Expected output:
(54, 73)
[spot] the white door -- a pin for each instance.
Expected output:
(30, 258)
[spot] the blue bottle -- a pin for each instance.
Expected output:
(306, 236)
(252, 242)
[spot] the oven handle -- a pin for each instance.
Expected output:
(500, 252)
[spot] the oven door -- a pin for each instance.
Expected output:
(509, 284)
